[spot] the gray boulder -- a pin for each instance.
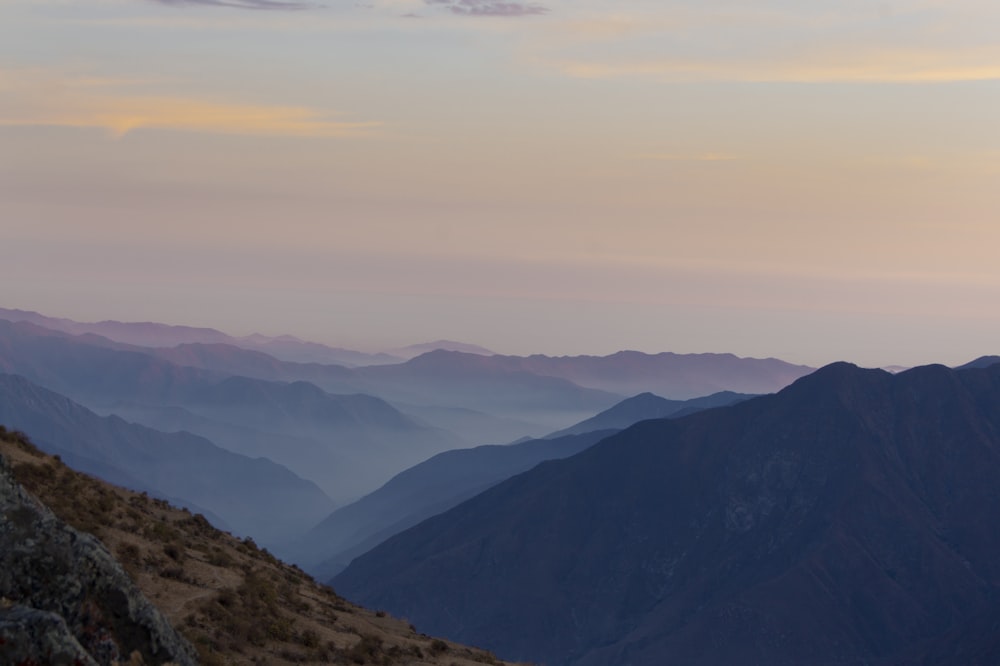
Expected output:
(48, 566)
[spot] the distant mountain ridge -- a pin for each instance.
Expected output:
(849, 518)
(411, 351)
(649, 406)
(152, 334)
(348, 444)
(676, 376)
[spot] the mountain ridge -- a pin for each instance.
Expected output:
(844, 519)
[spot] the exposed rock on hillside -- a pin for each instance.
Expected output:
(46, 565)
(234, 601)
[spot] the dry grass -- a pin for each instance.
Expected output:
(235, 602)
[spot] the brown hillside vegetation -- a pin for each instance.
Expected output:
(236, 603)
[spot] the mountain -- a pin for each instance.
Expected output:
(420, 492)
(408, 352)
(678, 376)
(151, 334)
(253, 496)
(981, 362)
(347, 444)
(848, 519)
(450, 478)
(649, 406)
(76, 603)
(65, 598)
(475, 382)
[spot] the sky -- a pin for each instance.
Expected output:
(814, 181)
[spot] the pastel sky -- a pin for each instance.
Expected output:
(809, 180)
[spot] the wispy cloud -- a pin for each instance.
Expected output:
(267, 5)
(919, 41)
(489, 7)
(44, 98)
(889, 66)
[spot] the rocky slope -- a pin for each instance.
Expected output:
(74, 601)
(234, 602)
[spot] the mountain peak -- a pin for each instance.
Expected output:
(851, 514)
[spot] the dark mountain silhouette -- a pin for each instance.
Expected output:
(449, 478)
(420, 492)
(649, 406)
(253, 496)
(848, 519)
(981, 362)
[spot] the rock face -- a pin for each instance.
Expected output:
(28, 635)
(75, 603)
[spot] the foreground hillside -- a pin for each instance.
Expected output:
(233, 601)
(848, 519)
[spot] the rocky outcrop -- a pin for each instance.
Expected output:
(65, 581)
(28, 636)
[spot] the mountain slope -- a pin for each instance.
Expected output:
(449, 478)
(253, 496)
(348, 444)
(420, 492)
(74, 603)
(847, 519)
(236, 603)
(649, 406)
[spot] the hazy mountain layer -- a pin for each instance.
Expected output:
(677, 376)
(348, 444)
(253, 496)
(150, 334)
(848, 519)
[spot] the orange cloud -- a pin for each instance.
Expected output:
(41, 98)
(888, 66)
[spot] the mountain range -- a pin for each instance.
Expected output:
(250, 496)
(152, 334)
(848, 519)
(449, 478)
(347, 444)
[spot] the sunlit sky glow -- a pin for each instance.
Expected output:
(809, 180)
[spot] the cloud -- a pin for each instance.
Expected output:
(489, 7)
(920, 41)
(890, 66)
(267, 5)
(45, 98)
